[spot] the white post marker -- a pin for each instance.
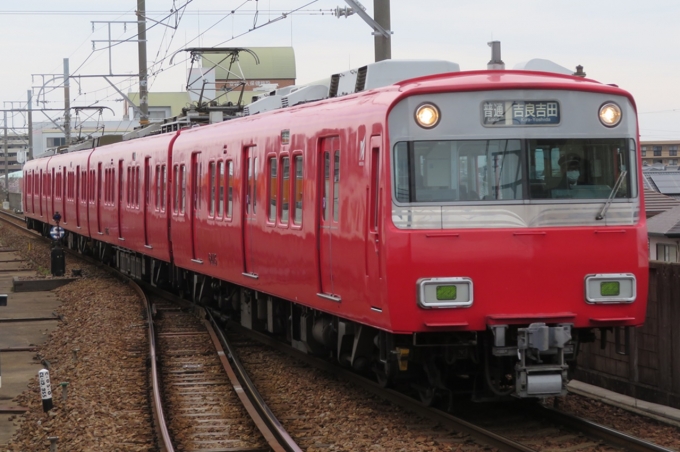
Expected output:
(45, 389)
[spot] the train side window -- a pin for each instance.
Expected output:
(183, 184)
(336, 186)
(211, 167)
(273, 187)
(285, 189)
(158, 187)
(297, 190)
(230, 188)
(129, 186)
(138, 186)
(220, 189)
(326, 206)
(163, 183)
(254, 200)
(175, 179)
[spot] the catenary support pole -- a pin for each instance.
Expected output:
(141, 46)
(383, 45)
(67, 104)
(30, 125)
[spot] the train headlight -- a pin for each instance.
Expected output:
(427, 116)
(434, 293)
(610, 288)
(610, 114)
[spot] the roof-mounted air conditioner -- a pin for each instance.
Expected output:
(261, 105)
(384, 73)
(305, 94)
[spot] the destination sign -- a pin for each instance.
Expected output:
(520, 113)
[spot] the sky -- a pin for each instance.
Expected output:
(632, 44)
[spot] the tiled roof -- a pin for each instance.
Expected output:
(656, 203)
(666, 223)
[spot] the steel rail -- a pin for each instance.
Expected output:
(478, 433)
(163, 435)
(270, 427)
(606, 434)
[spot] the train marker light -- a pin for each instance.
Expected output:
(610, 288)
(446, 292)
(427, 116)
(442, 293)
(610, 114)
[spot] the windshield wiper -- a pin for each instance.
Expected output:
(615, 190)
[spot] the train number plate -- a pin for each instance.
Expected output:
(508, 113)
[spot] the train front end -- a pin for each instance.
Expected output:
(516, 228)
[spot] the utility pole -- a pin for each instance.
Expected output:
(141, 46)
(380, 25)
(30, 126)
(6, 160)
(383, 44)
(67, 104)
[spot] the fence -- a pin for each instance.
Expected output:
(646, 365)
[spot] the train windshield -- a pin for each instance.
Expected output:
(502, 170)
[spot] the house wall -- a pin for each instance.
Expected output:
(662, 240)
(642, 362)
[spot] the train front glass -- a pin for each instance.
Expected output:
(559, 170)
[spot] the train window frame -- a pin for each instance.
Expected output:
(164, 186)
(175, 192)
(183, 188)
(228, 190)
(272, 189)
(219, 178)
(212, 180)
(284, 190)
(157, 187)
(298, 161)
(402, 170)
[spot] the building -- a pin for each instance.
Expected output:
(17, 149)
(664, 235)
(660, 153)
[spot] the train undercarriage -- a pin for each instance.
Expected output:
(504, 361)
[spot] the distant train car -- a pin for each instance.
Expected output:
(459, 231)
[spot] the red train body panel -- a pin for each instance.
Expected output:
(346, 206)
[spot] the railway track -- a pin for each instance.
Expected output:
(208, 406)
(507, 427)
(199, 405)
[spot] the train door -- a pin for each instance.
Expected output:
(249, 209)
(195, 200)
(329, 213)
(120, 198)
(147, 190)
(373, 245)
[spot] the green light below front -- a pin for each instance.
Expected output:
(610, 288)
(446, 292)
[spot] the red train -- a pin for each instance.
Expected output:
(459, 231)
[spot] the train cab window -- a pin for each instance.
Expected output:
(230, 188)
(183, 188)
(213, 188)
(297, 190)
(285, 189)
(580, 168)
(273, 188)
(220, 189)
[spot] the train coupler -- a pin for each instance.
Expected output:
(534, 377)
